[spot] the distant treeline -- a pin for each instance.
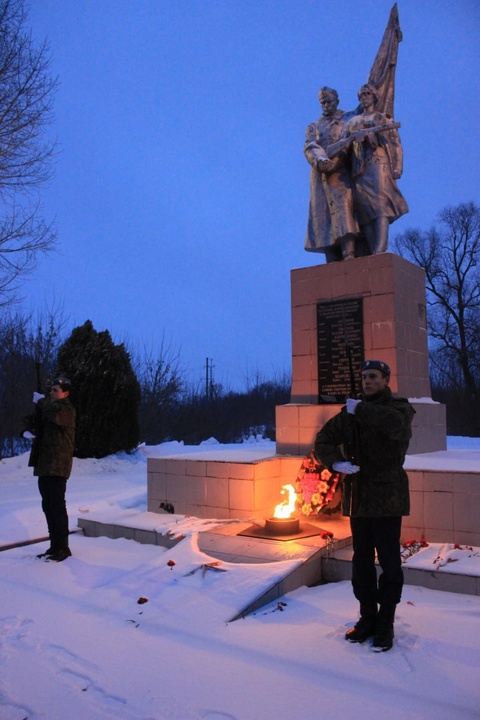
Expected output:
(122, 397)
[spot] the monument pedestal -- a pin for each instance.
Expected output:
(391, 292)
(392, 327)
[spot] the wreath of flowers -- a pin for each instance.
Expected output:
(315, 486)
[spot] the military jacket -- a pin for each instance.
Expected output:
(54, 444)
(376, 438)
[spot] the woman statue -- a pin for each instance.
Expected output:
(376, 163)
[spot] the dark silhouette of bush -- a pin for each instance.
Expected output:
(105, 392)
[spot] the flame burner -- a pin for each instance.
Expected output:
(282, 526)
(283, 529)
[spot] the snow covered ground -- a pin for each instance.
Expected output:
(76, 643)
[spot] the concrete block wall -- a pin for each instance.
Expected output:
(394, 319)
(297, 426)
(394, 330)
(445, 507)
(219, 489)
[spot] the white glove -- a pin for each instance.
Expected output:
(352, 405)
(28, 435)
(37, 397)
(345, 467)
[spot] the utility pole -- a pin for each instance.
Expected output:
(209, 384)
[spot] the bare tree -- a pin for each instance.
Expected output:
(450, 256)
(26, 98)
(161, 387)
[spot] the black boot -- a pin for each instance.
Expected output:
(61, 555)
(62, 551)
(383, 637)
(365, 627)
(51, 551)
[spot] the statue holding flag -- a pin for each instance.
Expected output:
(376, 163)
(370, 153)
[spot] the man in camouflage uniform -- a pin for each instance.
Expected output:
(367, 442)
(52, 429)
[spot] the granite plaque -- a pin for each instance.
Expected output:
(339, 335)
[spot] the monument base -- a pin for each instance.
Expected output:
(390, 292)
(297, 426)
(445, 504)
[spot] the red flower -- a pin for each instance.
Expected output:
(171, 563)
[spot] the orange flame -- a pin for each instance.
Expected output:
(286, 508)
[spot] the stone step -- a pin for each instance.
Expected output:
(338, 567)
(321, 561)
(226, 542)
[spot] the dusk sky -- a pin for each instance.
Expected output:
(181, 189)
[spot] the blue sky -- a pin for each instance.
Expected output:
(181, 189)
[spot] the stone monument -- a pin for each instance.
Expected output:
(374, 305)
(362, 303)
(356, 158)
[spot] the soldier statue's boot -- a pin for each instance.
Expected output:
(383, 636)
(348, 247)
(378, 235)
(366, 625)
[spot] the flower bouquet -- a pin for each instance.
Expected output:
(315, 486)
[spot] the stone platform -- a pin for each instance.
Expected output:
(321, 561)
(224, 543)
(444, 490)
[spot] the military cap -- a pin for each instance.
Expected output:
(376, 365)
